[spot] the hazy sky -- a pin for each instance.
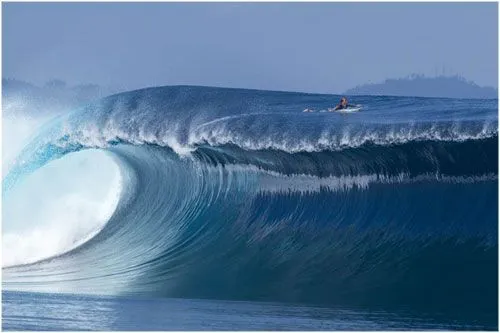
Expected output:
(313, 47)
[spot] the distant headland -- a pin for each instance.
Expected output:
(421, 86)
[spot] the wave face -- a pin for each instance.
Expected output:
(237, 194)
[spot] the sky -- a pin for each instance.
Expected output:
(310, 47)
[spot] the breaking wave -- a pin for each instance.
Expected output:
(236, 194)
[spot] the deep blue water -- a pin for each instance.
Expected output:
(239, 198)
(62, 312)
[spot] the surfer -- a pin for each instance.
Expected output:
(343, 104)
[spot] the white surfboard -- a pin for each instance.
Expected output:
(348, 110)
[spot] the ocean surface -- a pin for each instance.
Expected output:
(196, 208)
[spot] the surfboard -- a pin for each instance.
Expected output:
(356, 108)
(348, 110)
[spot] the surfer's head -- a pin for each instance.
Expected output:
(343, 101)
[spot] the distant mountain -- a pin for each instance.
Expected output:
(421, 86)
(54, 97)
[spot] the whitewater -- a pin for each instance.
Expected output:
(237, 195)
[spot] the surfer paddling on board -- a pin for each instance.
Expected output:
(343, 104)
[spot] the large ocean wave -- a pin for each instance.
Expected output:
(237, 194)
